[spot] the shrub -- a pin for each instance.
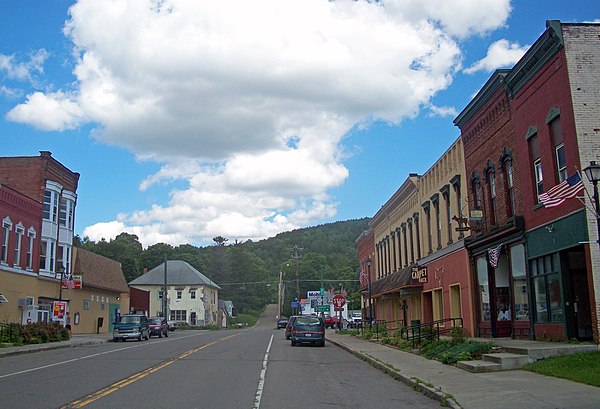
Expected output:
(42, 332)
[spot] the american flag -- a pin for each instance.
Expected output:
(494, 255)
(563, 191)
(68, 282)
(363, 276)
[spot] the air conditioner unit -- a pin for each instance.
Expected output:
(22, 302)
(30, 300)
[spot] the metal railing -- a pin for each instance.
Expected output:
(413, 333)
(9, 332)
(430, 330)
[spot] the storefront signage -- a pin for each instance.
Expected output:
(419, 274)
(59, 308)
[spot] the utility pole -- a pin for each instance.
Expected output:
(297, 256)
(164, 300)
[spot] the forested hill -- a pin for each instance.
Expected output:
(249, 272)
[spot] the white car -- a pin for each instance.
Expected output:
(354, 319)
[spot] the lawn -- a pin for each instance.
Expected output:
(583, 367)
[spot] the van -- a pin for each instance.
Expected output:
(131, 326)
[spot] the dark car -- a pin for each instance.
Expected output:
(158, 326)
(308, 330)
(282, 322)
(131, 326)
(288, 327)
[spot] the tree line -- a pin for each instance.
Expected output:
(249, 272)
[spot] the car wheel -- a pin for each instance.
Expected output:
(322, 344)
(140, 337)
(293, 343)
(147, 335)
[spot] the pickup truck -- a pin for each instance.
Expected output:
(331, 322)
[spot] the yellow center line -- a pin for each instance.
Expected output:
(79, 403)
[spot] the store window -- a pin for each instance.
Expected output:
(520, 290)
(484, 288)
(438, 304)
(545, 273)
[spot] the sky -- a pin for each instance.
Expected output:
(191, 119)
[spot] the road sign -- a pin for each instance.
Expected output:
(323, 308)
(339, 301)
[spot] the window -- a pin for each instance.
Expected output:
(510, 184)
(66, 213)
(160, 294)
(534, 157)
(20, 232)
(193, 294)
(493, 202)
(178, 315)
(438, 304)
(539, 177)
(30, 241)
(50, 211)
(63, 258)
(484, 293)
(427, 210)
(6, 228)
(412, 244)
(547, 293)
(559, 149)
(520, 291)
(43, 251)
(438, 219)
(418, 233)
(179, 294)
(476, 191)
(448, 210)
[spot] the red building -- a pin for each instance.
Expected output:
(544, 118)
(497, 242)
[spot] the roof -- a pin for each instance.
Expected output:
(98, 271)
(179, 272)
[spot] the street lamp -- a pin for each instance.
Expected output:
(370, 298)
(593, 174)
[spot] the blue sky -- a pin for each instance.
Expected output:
(188, 120)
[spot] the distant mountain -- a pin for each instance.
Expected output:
(249, 272)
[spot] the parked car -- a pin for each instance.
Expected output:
(288, 327)
(282, 322)
(158, 326)
(172, 325)
(308, 330)
(331, 322)
(355, 320)
(131, 326)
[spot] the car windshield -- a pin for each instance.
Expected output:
(154, 320)
(308, 324)
(128, 319)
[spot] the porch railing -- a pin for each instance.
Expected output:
(9, 332)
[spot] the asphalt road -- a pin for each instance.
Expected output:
(249, 368)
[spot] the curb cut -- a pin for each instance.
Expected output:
(428, 391)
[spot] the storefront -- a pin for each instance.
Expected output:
(502, 296)
(559, 279)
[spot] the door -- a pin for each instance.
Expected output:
(502, 305)
(577, 299)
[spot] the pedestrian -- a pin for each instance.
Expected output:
(68, 323)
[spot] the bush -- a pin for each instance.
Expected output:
(449, 352)
(42, 332)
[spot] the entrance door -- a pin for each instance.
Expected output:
(501, 307)
(577, 301)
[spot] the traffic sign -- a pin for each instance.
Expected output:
(339, 301)
(323, 308)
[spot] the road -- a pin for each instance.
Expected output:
(249, 368)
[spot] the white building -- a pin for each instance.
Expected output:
(191, 296)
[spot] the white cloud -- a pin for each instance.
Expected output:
(501, 54)
(23, 71)
(248, 102)
(442, 111)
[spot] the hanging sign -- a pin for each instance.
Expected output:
(419, 275)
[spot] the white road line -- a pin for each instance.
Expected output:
(263, 374)
(88, 356)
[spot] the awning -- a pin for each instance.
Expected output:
(395, 283)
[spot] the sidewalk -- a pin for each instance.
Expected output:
(462, 389)
(75, 341)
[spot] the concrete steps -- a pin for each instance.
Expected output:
(503, 361)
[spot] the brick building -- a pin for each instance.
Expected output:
(555, 124)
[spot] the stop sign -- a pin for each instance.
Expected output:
(339, 301)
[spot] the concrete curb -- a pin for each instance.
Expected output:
(26, 349)
(445, 399)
